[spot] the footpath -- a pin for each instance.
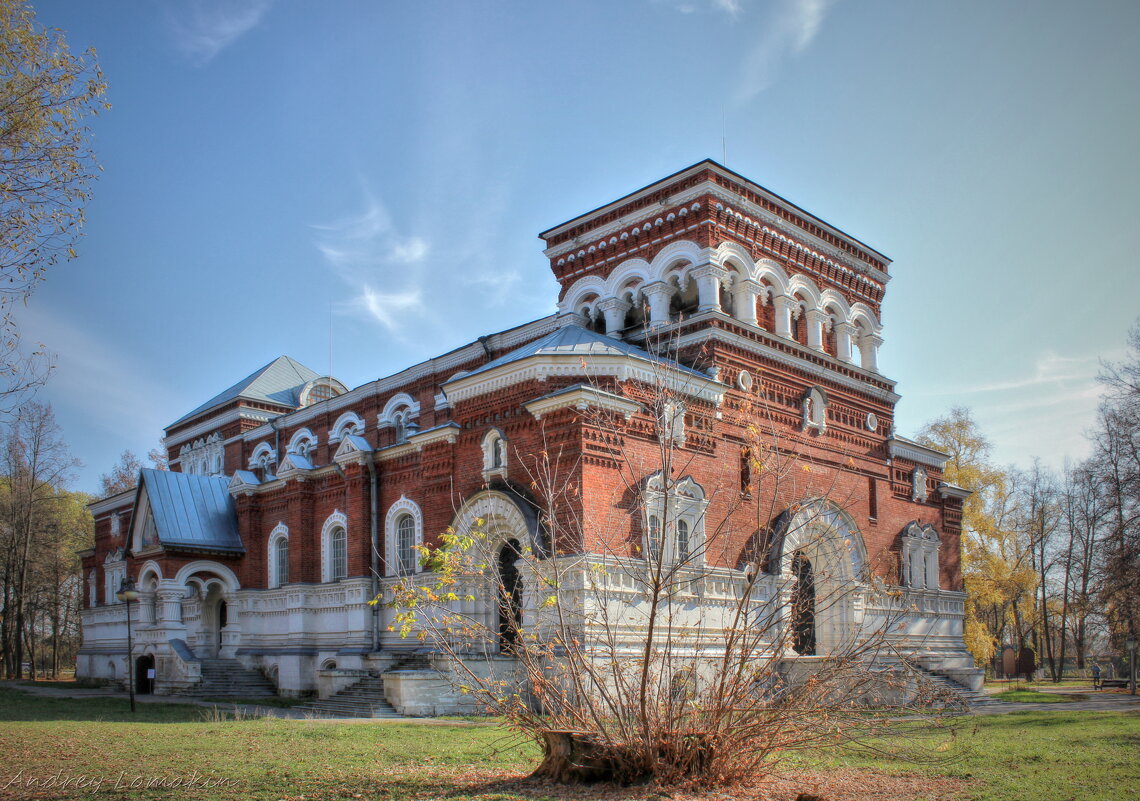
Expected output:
(1090, 701)
(1087, 700)
(238, 709)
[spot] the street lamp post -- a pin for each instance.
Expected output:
(1130, 644)
(126, 594)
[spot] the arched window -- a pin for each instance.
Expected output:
(279, 556)
(494, 454)
(406, 543)
(675, 520)
(404, 531)
(281, 559)
(334, 547)
(653, 538)
(338, 554)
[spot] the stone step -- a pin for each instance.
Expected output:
(364, 699)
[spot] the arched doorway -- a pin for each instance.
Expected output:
(819, 552)
(214, 619)
(510, 595)
(144, 675)
(803, 607)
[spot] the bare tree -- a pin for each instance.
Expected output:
(34, 467)
(637, 636)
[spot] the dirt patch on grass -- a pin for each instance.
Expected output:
(832, 785)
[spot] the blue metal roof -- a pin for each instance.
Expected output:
(278, 382)
(191, 511)
(574, 340)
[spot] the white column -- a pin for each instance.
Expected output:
(708, 278)
(169, 608)
(659, 294)
(843, 332)
(146, 608)
(615, 310)
(869, 348)
(816, 319)
(744, 296)
(783, 306)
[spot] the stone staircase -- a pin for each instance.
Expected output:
(971, 699)
(365, 699)
(227, 678)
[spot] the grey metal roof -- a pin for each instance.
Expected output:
(278, 382)
(574, 340)
(191, 511)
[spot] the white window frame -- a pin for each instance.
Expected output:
(303, 443)
(337, 519)
(684, 502)
(402, 507)
(348, 424)
(494, 443)
(280, 533)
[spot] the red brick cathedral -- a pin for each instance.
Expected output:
(750, 327)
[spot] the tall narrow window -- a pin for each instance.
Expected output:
(406, 543)
(653, 539)
(872, 498)
(338, 554)
(682, 540)
(281, 562)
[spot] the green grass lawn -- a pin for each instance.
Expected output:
(1046, 756)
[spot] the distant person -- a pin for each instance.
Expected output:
(1096, 675)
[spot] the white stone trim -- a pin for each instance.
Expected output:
(449, 432)
(279, 532)
(624, 368)
(503, 340)
(919, 454)
(228, 577)
(404, 506)
(399, 401)
(337, 519)
(810, 368)
(262, 449)
(348, 423)
(685, 503)
(299, 439)
(582, 398)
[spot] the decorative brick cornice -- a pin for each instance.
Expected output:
(582, 397)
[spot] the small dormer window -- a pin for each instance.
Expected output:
(320, 389)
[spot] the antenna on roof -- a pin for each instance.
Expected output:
(723, 138)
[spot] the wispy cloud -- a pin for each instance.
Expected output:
(204, 28)
(1050, 371)
(377, 262)
(731, 7)
(791, 29)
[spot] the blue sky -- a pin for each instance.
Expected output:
(361, 184)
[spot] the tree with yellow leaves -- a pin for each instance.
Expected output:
(996, 558)
(46, 166)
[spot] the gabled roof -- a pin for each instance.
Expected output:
(190, 511)
(279, 382)
(574, 340)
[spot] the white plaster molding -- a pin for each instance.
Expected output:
(919, 454)
(789, 360)
(404, 506)
(623, 368)
(581, 398)
(449, 432)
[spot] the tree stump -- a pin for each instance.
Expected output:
(572, 757)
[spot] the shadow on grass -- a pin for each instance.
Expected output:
(17, 706)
